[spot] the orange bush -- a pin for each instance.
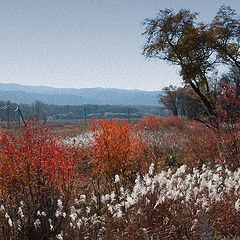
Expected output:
(118, 149)
(163, 123)
(150, 123)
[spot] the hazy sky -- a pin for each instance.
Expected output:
(86, 43)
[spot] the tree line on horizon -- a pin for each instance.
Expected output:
(74, 112)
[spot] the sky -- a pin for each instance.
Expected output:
(87, 43)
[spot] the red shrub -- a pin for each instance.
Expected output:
(150, 123)
(36, 169)
(35, 161)
(228, 112)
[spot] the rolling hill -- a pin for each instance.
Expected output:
(71, 96)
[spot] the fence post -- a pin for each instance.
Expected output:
(129, 116)
(85, 115)
(8, 116)
(19, 117)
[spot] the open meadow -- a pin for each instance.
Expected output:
(162, 178)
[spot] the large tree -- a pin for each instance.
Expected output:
(224, 32)
(196, 47)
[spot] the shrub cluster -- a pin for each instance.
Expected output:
(162, 179)
(193, 143)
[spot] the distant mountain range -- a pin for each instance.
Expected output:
(70, 96)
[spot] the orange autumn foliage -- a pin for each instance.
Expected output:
(163, 123)
(35, 161)
(118, 149)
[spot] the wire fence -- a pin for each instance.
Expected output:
(15, 116)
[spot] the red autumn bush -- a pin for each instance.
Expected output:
(228, 107)
(200, 147)
(35, 159)
(150, 123)
(36, 170)
(118, 149)
(228, 119)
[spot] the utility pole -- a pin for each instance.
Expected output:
(8, 116)
(34, 109)
(85, 115)
(19, 117)
(129, 116)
